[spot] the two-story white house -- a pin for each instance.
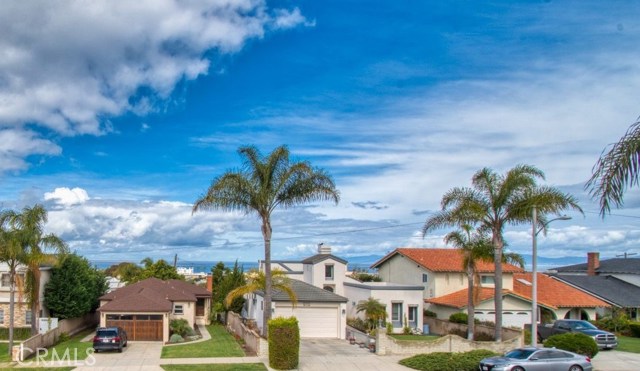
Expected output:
(327, 296)
(23, 316)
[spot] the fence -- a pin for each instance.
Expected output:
(252, 340)
(442, 327)
(386, 345)
(48, 339)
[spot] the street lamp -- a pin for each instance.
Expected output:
(534, 269)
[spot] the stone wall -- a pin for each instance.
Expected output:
(252, 340)
(19, 314)
(442, 327)
(386, 345)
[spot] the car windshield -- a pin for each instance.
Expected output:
(582, 325)
(106, 334)
(519, 353)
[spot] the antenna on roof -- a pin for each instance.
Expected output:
(626, 254)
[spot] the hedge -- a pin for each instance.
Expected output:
(19, 333)
(634, 329)
(574, 342)
(284, 343)
(441, 361)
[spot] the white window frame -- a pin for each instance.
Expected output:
(413, 310)
(487, 280)
(395, 320)
(332, 272)
(178, 309)
(425, 278)
(28, 317)
(1, 316)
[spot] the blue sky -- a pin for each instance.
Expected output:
(117, 116)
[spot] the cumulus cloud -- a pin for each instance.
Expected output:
(67, 197)
(67, 65)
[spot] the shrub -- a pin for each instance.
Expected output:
(441, 361)
(389, 328)
(482, 336)
(180, 327)
(574, 342)
(459, 317)
(634, 329)
(63, 337)
(429, 313)
(457, 331)
(19, 333)
(176, 338)
(357, 323)
(284, 343)
(527, 337)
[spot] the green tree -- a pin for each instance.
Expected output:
(218, 272)
(475, 246)
(74, 287)
(257, 281)
(159, 269)
(616, 170)
(29, 227)
(495, 201)
(262, 185)
(232, 279)
(373, 310)
(123, 271)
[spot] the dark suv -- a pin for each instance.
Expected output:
(109, 338)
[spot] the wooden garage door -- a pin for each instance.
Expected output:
(317, 322)
(140, 327)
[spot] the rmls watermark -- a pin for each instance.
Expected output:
(48, 358)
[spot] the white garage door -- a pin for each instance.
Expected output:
(515, 319)
(317, 322)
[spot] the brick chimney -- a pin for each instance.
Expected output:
(209, 283)
(593, 263)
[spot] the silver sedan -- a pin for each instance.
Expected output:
(534, 359)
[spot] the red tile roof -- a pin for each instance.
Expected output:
(152, 295)
(444, 260)
(555, 293)
(459, 299)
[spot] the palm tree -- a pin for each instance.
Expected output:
(12, 254)
(262, 185)
(495, 201)
(29, 227)
(476, 246)
(374, 311)
(257, 281)
(616, 170)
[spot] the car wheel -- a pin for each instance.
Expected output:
(125, 344)
(96, 351)
(517, 368)
(575, 368)
(119, 350)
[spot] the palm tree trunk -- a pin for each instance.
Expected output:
(12, 289)
(266, 233)
(35, 300)
(470, 307)
(497, 256)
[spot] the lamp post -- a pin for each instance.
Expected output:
(534, 270)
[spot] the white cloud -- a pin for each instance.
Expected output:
(87, 61)
(67, 197)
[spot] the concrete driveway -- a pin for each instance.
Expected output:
(333, 354)
(613, 360)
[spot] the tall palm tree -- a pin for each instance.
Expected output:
(29, 227)
(263, 184)
(12, 254)
(374, 311)
(495, 201)
(616, 170)
(257, 281)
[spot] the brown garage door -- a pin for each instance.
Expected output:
(139, 327)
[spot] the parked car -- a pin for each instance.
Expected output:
(604, 339)
(109, 338)
(537, 359)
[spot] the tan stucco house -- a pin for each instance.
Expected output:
(144, 309)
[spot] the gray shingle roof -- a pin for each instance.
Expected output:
(607, 266)
(307, 293)
(607, 287)
(320, 257)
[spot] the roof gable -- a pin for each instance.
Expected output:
(443, 260)
(607, 266)
(321, 257)
(609, 288)
(306, 293)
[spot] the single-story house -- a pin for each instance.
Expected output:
(320, 313)
(144, 309)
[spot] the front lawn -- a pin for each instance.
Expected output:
(38, 368)
(73, 349)
(221, 344)
(628, 344)
(415, 337)
(217, 367)
(4, 351)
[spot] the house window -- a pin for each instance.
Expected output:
(487, 280)
(425, 277)
(1, 316)
(6, 280)
(396, 314)
(328, 272)
(27, 317)
(413, 314)
(178, 309)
